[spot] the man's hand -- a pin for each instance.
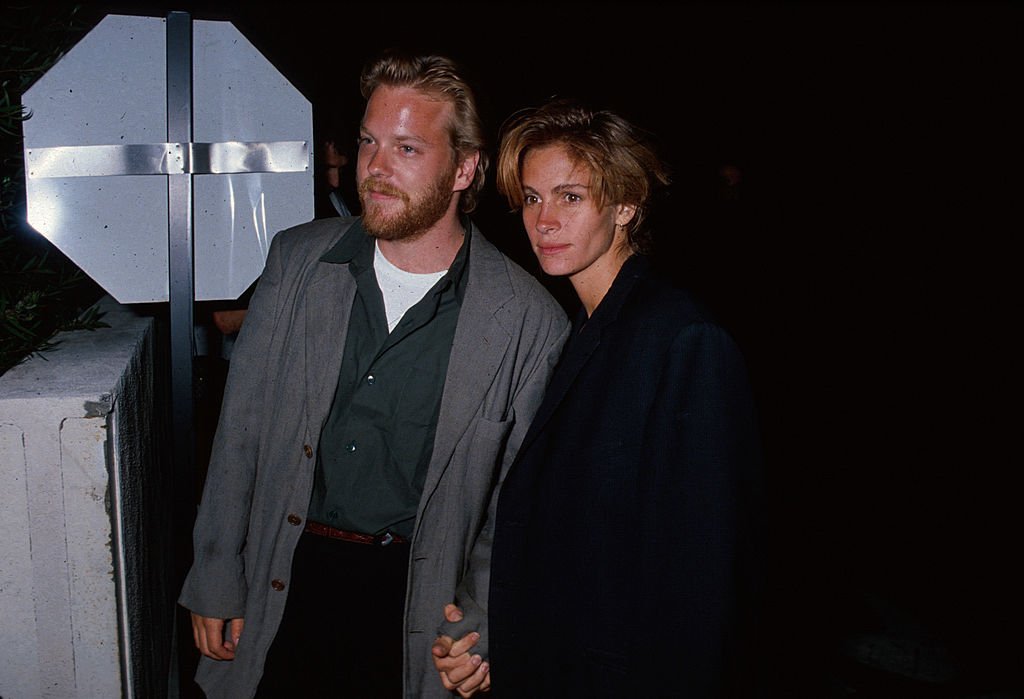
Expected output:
(460, 670)
(208, 634)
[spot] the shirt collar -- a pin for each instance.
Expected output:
(352, 242)
(357, 246)
(457, 271)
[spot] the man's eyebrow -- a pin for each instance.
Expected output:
(399, 137)
(411, 137)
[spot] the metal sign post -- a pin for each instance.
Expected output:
(180, 276)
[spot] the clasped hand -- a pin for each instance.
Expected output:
(461, 671)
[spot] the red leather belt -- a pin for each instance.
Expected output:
(355, 537)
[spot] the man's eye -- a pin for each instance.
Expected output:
(408, 150)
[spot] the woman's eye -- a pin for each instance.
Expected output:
(530, 199)
(573, 198)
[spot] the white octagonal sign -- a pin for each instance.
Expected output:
(96, 158)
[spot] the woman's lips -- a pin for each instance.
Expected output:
(551, 249)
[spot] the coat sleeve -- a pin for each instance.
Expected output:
(698, 501)
(215, 586)
(542, 355)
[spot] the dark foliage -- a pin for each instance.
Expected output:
(41, 291)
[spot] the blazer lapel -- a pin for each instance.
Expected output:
(478, 350)
(577, 352)
(328, 304)
(584, 342)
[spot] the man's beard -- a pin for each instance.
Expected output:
(415, 218)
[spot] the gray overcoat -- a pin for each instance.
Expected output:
(283, 374)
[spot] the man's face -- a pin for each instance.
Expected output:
(406, 170)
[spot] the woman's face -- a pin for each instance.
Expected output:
(569, 234)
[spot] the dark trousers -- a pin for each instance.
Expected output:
(342, 634)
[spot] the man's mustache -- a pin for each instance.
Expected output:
(370, 185)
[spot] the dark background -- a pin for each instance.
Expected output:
(863, 262)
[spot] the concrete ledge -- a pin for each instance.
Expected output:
(84, 508)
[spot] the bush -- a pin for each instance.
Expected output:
(41, 291)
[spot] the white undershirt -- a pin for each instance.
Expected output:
(401, 289)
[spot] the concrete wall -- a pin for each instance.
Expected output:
(85, 550)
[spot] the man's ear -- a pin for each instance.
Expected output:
(466, 172)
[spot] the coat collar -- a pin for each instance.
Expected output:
(357, 248)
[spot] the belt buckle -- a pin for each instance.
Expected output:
(385, 540)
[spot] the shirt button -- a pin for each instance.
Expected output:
(294, 520)
(278, 585)
(308, 451)
(371, 379)
(350, 447)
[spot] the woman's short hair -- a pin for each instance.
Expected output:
(442, 77)
(624, 167)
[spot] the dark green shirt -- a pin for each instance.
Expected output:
(376, 444)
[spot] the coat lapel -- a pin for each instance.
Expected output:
(331, 291)
(585, 339)
(478, 350)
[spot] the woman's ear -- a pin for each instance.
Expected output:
(624, 213)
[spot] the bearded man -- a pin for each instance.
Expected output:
(384, 377)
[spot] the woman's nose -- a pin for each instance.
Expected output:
(546, 223)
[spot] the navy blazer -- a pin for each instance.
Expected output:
(623, 554)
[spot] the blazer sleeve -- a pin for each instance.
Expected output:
(698, 500)
(215, 585)
(548, 338)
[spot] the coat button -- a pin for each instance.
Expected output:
(308, 451)
(294, 520)
(277, 584)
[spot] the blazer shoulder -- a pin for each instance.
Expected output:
(512, 285)
(661, 297)
(660, 309)
(529, 288)
(306, 242)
